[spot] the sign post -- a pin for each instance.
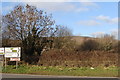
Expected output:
(2, 51)
(5, 63)
(15, 59)
(14, 53)
(16, 64)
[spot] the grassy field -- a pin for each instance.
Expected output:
(57, 70)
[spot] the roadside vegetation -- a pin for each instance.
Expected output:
(111, 71)
(50, 49)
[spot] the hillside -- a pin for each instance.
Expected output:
(80, 39)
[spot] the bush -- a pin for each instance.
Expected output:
(89, 45)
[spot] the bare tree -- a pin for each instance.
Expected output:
(31, 26)
(63, 38)
(64, 31)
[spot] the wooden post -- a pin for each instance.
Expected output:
(5, 63)
(5, 59)
(2, 61)
(16, 64)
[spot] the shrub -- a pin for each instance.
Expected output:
(89, 45)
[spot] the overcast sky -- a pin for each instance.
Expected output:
(83, 18)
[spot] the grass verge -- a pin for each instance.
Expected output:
(58, 70)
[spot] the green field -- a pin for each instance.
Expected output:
(57, 70)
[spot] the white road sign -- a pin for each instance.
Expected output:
(2, 51)
(11, 52)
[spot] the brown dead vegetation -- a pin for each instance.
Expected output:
(78, 59)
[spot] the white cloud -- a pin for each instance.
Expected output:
(57, 6)
(96, 21)
(89, 23)
(107, 19)
(114, 32)
(54, 6)
(98, 34)
(81, 9)
(63, 6)
(92, 4)
(114, 20)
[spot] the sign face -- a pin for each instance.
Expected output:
(11, 52)
(14, 59)
(2, 51)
